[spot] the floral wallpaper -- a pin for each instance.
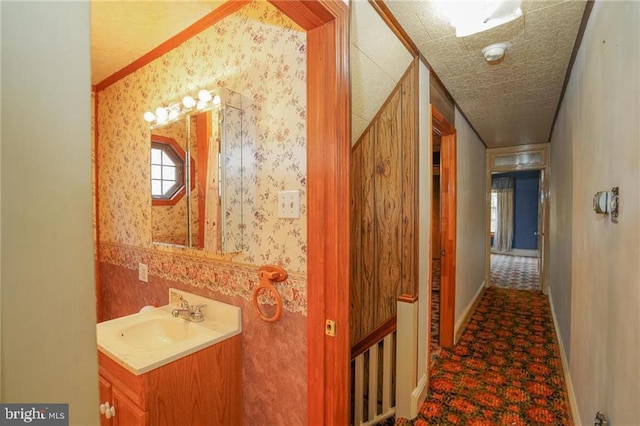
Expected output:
(261, 54)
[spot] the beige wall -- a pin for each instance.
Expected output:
(597, 139)
(48, 294)
(471, 223)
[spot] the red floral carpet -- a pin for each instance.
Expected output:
(506, 369)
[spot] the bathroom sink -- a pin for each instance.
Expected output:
(153, 337)
(158, 332)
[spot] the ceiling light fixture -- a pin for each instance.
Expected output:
(472, 17)
(495, 52)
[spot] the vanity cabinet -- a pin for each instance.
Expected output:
(204, 388)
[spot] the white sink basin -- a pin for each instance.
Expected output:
(152, 338)
(157, 333)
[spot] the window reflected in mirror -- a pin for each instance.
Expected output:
(168, 158)
(167, 171)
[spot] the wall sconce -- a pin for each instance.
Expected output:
(167, 114)
(607, 202)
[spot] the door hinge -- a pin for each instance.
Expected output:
(330, 328)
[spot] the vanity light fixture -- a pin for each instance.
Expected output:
(188, 102)
(163, 115)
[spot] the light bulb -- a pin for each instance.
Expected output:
(204, 95)
(173, 114)
(201, 105)
(162, 114)
(188, 101)
(216, 100)
(149, 116)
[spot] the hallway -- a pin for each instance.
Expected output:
(506, 368)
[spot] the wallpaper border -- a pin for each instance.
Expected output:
(231, 279)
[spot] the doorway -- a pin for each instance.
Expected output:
(514, 230)
(517, 248)
(443, 230)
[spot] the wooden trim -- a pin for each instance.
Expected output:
(328, 154)
(448, 261)
(384, 106)
(307, 14)
(96, 210)
(440, 124)
(408, 298)
(191, 31)
(576, 46)
(375, 336)
(393, 24)
(448, 171)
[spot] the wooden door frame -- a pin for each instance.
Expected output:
(328, 155)
(529, 151)
(448, 203)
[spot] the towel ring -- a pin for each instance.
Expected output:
(267, 274)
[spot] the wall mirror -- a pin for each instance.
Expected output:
(197, 165)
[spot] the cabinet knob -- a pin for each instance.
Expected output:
(107, 410)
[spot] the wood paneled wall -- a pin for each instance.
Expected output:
(384, 171)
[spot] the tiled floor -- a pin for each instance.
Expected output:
(515, 272)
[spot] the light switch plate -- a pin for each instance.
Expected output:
(289, 204)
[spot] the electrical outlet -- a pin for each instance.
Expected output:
(289, 204)
(143, 272)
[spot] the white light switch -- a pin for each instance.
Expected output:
(289, 204)
(143, 272)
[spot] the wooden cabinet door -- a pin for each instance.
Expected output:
(127, 412)
(105, 396)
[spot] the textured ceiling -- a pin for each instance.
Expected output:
(513, 102)
(123, 31)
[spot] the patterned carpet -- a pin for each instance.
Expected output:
(515, 272)
(435, 303)
(506, 369)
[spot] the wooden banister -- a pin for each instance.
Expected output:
(375, 336)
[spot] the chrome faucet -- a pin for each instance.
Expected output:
(188, 312)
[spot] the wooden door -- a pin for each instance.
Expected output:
(447, 225)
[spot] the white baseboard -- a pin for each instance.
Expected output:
(418, 395)
(463, 318)
(573, 403)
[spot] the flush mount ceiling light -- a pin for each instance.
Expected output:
(472, 17)
(494, 52)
